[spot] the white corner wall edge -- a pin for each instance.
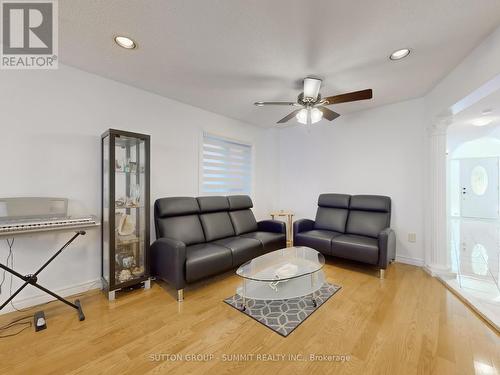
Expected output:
(41, 298)
(411, 261)
(479, 67)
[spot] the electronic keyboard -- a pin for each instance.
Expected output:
(34, 214)
(15, 227)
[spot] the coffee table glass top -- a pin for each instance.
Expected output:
(284, 264)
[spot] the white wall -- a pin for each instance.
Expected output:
(378, 151)
(51, 122)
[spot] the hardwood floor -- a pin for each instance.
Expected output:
(408, 323)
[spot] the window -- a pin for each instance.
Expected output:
(226, 166)
(479, 180)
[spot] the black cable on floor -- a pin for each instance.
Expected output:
(16, 322)
(18, 332)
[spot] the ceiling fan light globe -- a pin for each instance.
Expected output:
(316, 115)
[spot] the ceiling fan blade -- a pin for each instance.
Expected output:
(328, 113)
(261, 104)
(311, 87)
(289, 116)
(348, 97)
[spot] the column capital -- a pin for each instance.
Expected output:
(440, 125)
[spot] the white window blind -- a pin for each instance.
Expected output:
(226, 166)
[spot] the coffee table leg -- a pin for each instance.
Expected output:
(312, 295)
(243, 304)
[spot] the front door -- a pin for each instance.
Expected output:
(479, 187)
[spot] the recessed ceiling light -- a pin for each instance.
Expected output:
(487, 112)
(482, 121)
(399, 54)
(125, 42)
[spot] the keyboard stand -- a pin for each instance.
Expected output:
(33, 280)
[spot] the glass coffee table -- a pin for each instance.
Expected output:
(282, 274)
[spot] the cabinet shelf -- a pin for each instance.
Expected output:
(127, 240)
(129, 172)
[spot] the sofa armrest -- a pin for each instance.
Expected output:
(274, 226)
(168, 259)
(387, 247)
(302, 225)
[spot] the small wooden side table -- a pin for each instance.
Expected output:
(288, 215)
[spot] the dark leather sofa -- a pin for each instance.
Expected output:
(205, 236)
(353, 227)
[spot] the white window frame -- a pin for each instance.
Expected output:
(201, 174)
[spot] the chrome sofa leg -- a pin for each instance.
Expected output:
(382, 274)
(180, 295)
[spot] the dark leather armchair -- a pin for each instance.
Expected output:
(205, 236)
(353, 227)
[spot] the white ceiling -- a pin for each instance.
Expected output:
(462, 128)
(223, 55)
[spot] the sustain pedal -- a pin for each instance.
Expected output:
(39, 320)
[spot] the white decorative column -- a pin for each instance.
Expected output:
(437, 253)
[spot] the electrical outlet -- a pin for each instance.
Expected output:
(412, 237)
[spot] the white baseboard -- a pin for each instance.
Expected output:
(407, 260)
(437, 271)
(40, 298)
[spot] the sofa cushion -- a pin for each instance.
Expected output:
(366, 223)
(206, 259)
(378, 203)
(360, 248)
(332, 212)
(216, 225)
(320, 240)
(368, 215)
(213, 204)
(333, 219)
(176, 206)
(239, 202)
(186, 229)
(334, 200)
(243, 221)
(243, 249)
(270, 241)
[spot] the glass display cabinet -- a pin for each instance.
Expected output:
(125, 210)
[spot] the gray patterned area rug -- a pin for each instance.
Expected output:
(283, 316)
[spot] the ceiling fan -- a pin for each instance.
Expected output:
(312, 106)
